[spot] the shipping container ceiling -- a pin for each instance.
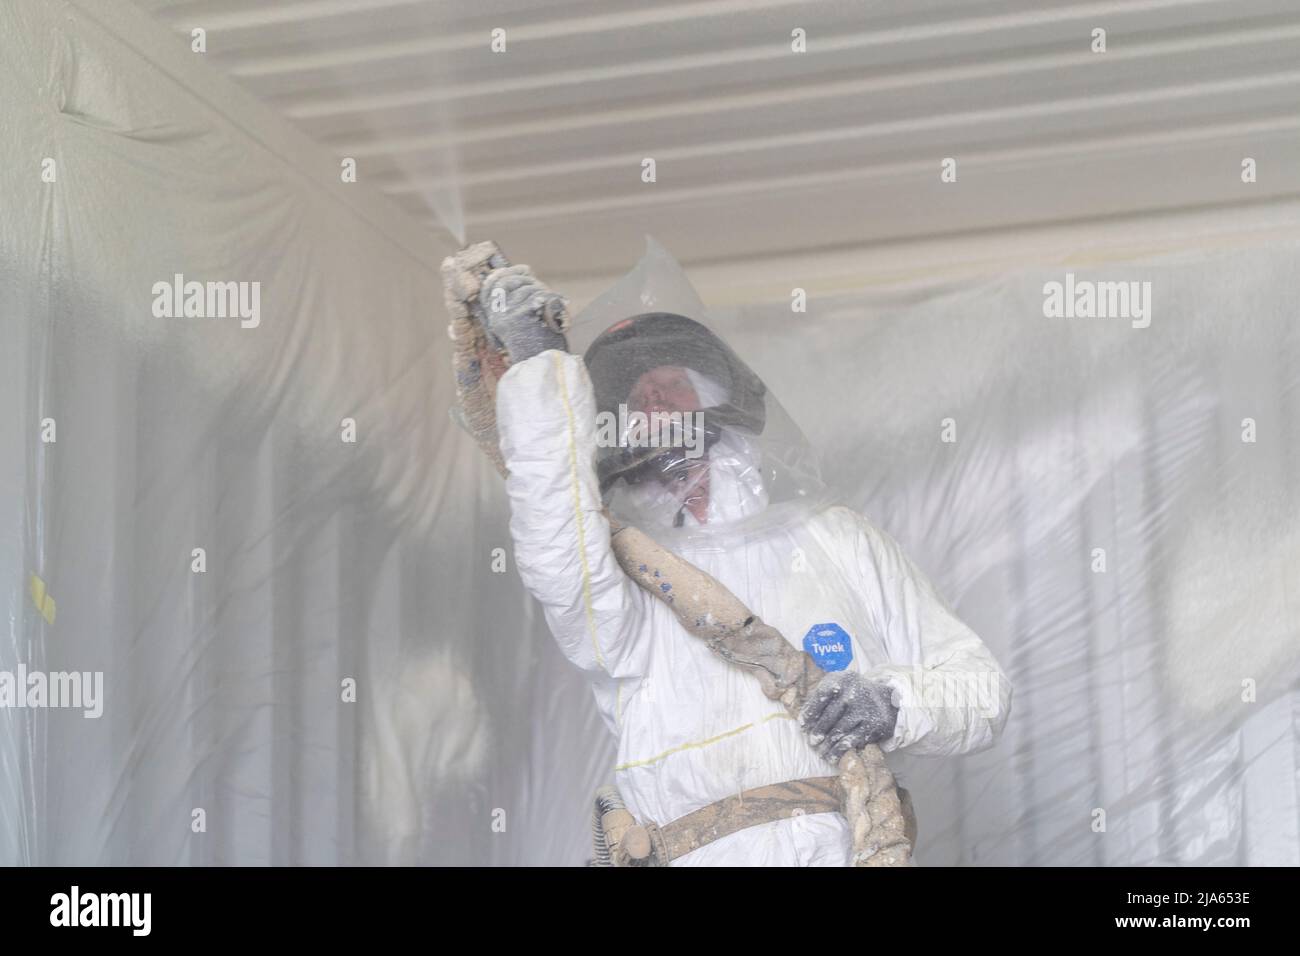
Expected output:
(763, 154)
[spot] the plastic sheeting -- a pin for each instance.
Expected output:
(1116, 516)
(1111, 503)
(1112, 508)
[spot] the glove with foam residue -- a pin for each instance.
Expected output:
(522, 315)
(846, 711)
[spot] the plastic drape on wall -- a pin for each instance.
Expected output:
(1113, 503)
(1109, 493)
(347, 530)
(293, 572)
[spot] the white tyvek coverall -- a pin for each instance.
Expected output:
(691, 728)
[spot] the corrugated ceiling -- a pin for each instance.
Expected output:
(760, 150)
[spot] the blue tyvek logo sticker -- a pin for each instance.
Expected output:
(829, 645)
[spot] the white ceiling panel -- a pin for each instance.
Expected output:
(760, 150)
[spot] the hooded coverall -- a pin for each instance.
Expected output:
(691, 728)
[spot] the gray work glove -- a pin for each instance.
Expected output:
(846, 711)
(520, 314)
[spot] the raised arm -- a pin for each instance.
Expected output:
(546, 417)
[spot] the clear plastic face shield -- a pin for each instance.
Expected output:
(690, 441)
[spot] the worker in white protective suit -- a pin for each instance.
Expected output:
(728, 483)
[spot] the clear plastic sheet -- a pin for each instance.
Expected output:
(1100, 518)
(1113, 508)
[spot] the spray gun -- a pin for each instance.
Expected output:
(479, 356)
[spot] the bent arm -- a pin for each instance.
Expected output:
(952, 696)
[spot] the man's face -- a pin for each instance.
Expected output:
(666, 388)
